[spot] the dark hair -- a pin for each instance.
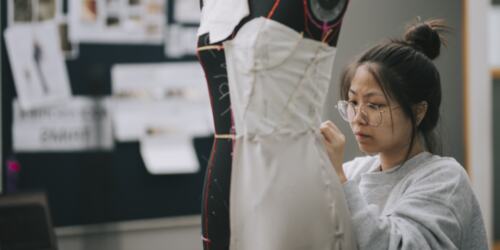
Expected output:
(405, 72)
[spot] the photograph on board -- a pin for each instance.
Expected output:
(32, 11)
(69, 49)
(89, 11)
(117, 21)
(22, 11)
(46, 10)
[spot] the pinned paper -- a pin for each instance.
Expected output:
(161, 96)
(79, 124)
(30, 11)
(180, 41)
(187, 11)
(136, 119)
(38, 66)
(184, 80)
(169, 154)
(117, 21)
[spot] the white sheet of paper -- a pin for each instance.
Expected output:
(136, 119)
(187, 11)
(169, 154)
(494, 36)
(38, 66)
(160, 98)
(180, 41)
(79, 124)
(157, 80)
(117, 21)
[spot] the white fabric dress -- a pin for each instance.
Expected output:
(284, 192)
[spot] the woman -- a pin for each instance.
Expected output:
(402, 196)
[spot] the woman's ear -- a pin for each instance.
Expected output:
(420, 109)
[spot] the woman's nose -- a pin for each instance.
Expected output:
(359, 117)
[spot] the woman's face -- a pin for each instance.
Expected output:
(390, 135)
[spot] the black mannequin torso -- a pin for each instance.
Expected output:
(293, 13)
(288, 12)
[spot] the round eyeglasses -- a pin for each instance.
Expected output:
(370, 113)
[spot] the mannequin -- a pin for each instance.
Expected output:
(304, 16)
(215, 204)
(319, 20)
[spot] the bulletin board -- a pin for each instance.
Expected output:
(96, 186)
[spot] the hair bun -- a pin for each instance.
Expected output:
(426, 36)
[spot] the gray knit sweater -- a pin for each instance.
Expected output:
(427, 203)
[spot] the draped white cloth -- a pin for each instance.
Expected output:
(220, 17)
(284, 192)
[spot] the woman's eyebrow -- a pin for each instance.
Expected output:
(369, 94)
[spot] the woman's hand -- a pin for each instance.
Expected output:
(334, 142)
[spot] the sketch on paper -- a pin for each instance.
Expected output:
(117, 21)
(31, 11)
(46, 10)
(39, 56)
(40, 74)
(22, 11)
(88, 11)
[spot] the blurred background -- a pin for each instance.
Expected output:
(105, 109)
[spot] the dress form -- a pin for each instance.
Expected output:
(296, 14)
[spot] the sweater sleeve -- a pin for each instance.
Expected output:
(422, 218)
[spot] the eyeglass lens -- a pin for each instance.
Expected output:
(370, 114)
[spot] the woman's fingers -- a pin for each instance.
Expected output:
(332, 133)
(333, 126)
(326, 131)
(334, 142)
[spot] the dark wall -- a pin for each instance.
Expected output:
(95, 187)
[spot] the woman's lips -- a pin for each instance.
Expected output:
(360, 137)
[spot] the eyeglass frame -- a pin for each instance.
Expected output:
(365, 115)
